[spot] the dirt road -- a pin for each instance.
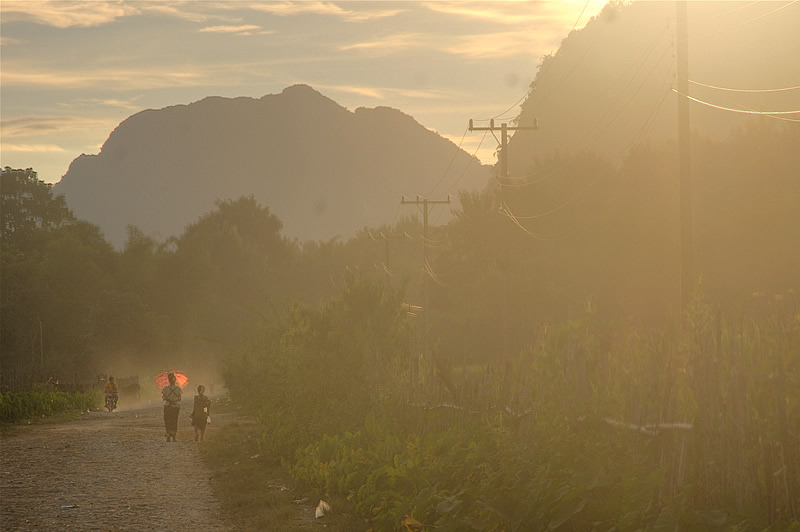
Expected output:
(106, 472)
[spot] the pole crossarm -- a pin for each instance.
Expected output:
(492, 127)
(504, 129)
(422, 201)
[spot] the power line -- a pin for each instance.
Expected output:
(743, 111)
(429, 270)
(576, 65)
(579, 16)
(455, 154)
(593, 132)
(464, 171)
(699, 19)
(745, 22)
(528, 92)
(505, 211)
(469, 162)
(639, 134)
(781, 89)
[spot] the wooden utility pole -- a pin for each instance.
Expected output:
(504, 129)
(687, 276)
(426, 204)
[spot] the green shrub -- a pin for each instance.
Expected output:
(592, 427)
(16, 407)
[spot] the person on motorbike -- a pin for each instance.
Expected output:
(111, 393)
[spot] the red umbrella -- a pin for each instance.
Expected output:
(180, 379)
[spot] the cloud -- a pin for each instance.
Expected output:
(9, 41)
(32, 148)
(27, 126)
(66, 14)
(86, 14)
(243, 29)
(94, 103)
(502, 44)
(111, 79)
(391, 44)
(369, 92)
(510, 13)
(540, 14)
(476, 46)
(384, 93)
(322, 8)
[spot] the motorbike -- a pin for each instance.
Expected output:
(111, 401)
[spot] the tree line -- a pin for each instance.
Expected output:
(578, 232)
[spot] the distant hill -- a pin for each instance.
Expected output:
(598, 181)
(609, 85)
(323, 170)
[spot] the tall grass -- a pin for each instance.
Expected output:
(16, 407)
(591, 427)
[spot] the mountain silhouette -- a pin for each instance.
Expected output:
(610, 85)
(325, 171)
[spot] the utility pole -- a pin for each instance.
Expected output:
(426, 204)
(684, 153)
(504, 129)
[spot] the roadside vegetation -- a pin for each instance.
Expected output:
(255, 491)
(21, 407)
(591, 427)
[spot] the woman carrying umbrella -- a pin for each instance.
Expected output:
(172, 406)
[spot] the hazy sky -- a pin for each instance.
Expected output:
(72, 71)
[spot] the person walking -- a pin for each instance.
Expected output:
(201, 413)
(172, 407)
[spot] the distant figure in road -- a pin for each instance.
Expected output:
(201, 413)
(111, 386)
(172, 406)
(112, 394)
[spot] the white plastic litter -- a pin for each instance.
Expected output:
(322, 508)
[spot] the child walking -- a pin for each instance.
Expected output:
(201, 413)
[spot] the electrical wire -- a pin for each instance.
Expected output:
(528, 92)
(575, 66)
(744, 111)
(729, 89)
(639, 134)
(723, 14)
(434, 243)
(463, 172)
(579, 16)
(450, 164)
(427, 269)
(593, 131)
(743, 23)
(665, 90)
(504, 210)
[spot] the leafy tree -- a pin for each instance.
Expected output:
(227, 271)
(56, 280)
(325, 367)
(29, 213)
(27, 207)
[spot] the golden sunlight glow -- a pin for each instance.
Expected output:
(32, 148)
